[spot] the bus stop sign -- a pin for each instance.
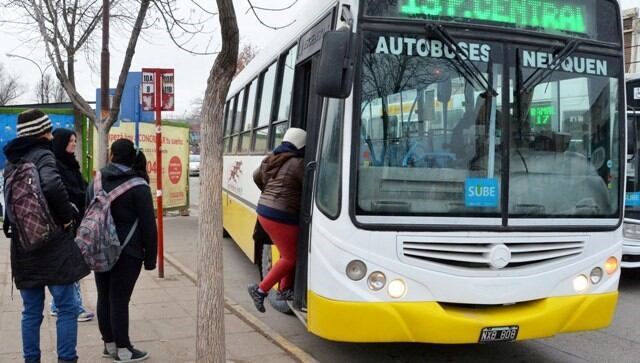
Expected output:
(166, 89)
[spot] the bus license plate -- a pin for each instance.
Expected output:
(498, 334)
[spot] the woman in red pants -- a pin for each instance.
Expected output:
(279, 177)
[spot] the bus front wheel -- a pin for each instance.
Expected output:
(278, 305)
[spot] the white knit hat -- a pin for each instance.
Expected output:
(33, 122)
(298, 137)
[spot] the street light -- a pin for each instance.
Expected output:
(42, 72)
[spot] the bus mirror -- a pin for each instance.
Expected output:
(336, 65)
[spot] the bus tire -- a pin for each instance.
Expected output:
(278, 305)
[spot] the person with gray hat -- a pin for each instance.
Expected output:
(279, 178)
(55, 261)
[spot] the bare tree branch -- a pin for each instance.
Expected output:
(131, 49)
(10, 87)
(246, 55)
(254, 9)
(274, 9)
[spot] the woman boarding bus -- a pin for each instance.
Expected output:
(463, 171)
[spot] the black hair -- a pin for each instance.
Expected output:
(124, 152)
(61, 138)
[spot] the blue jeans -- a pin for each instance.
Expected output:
(78, 296)
(66, 323)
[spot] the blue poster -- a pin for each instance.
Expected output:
(481, 192)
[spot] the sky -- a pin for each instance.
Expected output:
(157, 51)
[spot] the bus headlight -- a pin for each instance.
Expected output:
(631, 231)
(611, 265)
(397, 289)
(580, 283)
(596, 275)
(356, 270)
(376, 281)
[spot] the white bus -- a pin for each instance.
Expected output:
(463, 177)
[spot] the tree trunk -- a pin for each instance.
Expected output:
(100, 155)
(77, 114)
(210, 341)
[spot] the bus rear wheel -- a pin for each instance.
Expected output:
(278, 305)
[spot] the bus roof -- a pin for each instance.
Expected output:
(283, 39)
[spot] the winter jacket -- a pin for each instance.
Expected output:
(279, 177)
(59, 261)
(70, 172)
(76, 188)
(134, 204)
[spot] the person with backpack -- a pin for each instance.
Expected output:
(133, 216)
(39, 221)
(64, 146)
(279, 178)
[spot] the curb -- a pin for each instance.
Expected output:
(248, 318)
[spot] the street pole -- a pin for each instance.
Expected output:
(39, 69)
(158, 107)
(104, 64)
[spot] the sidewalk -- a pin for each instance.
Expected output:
(163, 322)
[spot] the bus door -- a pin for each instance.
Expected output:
(306, 114)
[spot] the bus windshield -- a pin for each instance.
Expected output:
(566, 139)
(433, 144)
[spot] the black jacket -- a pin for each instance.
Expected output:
(59, 262)
(70, 170)
(76, 188)
(134, 204)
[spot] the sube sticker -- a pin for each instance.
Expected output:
(481, 192)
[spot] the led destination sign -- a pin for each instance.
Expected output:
(559, 16)
(550, 15)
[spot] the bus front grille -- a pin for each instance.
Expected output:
(494, 256)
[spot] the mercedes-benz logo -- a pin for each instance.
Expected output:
(499, 256)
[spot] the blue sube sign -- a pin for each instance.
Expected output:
(481, 192)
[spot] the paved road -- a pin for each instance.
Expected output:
(619, 343)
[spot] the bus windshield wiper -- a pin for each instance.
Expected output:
(541, 74)
(462, 63)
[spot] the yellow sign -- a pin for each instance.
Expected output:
(175, 159)
(394, 108)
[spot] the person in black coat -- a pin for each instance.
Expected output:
(58, 263)
(116, 286)
(64, 146)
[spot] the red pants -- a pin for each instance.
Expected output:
(285, 237)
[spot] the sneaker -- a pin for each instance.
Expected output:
(110, 350)
(86, 316)
(286, 295)
(257, 297)
(130, 354)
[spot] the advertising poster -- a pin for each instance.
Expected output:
(175, 160)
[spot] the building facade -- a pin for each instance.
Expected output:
(631, 25)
